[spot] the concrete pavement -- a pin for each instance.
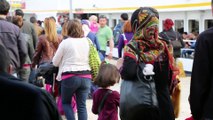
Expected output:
(184, 108)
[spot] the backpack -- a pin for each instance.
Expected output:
(117, 32)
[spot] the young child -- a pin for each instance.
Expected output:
(94, 26)
(106, 109)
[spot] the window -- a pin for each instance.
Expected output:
(208, 23)
(194, 26)
(179, 24)
(114, 22)
(162, 24)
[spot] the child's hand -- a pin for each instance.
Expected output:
(119, 63)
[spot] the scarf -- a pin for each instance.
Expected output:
(144, 23)
(145, 38)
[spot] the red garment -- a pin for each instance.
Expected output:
(168, 23)
(190, 118)
(110, 108)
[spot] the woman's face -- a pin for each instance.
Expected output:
(150, 31)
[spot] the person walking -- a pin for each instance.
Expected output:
(173, 37)
(72, 58)
(105, 35)
(47, 45)
(24, 72)
(31, 102)
(118, 29)
(27, 27)
(11, 38)
(152, 50)
(105, 100)
(89, 34)
(39, 30)
(125, 37)
(201, 92)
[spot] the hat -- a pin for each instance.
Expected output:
(168, 23)
(85, 22)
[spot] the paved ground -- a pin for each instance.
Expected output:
(184, 110)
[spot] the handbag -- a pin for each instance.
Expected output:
(35, 80)
(176, 44)
(39, 82)
(138, 97)
(94, 59)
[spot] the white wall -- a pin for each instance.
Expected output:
(129, 3)
(100, 4)
(200, 15)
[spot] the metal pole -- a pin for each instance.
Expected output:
(71, 10)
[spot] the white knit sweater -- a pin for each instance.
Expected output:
(72, 55)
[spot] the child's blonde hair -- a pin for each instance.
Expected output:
(107, 76)
(93, 18)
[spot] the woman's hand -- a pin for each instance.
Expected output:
(119, 63)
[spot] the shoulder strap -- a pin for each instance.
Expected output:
(136, 50)
(124, 36)
(103, 100)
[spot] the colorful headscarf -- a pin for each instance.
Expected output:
(144, 23)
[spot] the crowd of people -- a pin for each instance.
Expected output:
(26, 46)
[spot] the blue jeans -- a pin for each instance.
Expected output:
(103, 53)
(80, 87)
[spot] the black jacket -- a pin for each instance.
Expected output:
(13, 41)
(162, 79)
(172, 35)
(23, 101)
(201, 91)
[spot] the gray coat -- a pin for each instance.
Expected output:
(29, 29)
(30, 48)
(13, 41)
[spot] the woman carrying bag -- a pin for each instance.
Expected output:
(147, 48)
(46, 47)
(72, 58)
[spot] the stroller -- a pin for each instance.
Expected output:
(46, 73)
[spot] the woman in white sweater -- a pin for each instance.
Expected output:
(72, 58)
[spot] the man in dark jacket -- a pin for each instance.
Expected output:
(27, 28)
(11, 38)
(20, 100)
(170, 35)
(201, 91)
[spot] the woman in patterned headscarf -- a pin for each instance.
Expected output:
(154, 51)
